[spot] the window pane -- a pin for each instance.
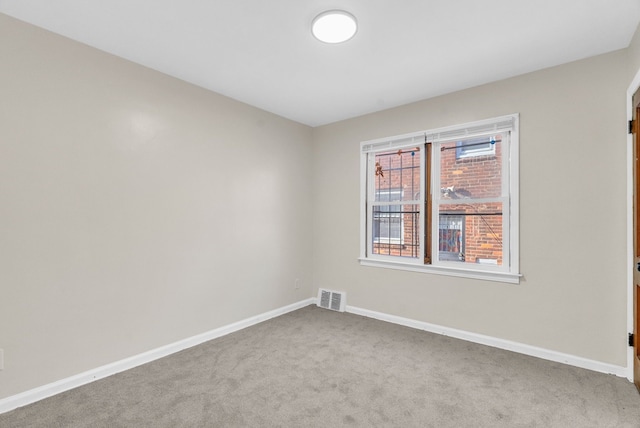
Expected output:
(471, 176)
(470, 233)
(451, 237)
(396, 233)
(475, 147)
(397, 173)
(390, 195)
(385, 228)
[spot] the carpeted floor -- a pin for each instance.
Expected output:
(318, 368)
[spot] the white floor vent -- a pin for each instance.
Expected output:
(334, 300)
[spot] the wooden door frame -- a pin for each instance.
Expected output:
(633, 88)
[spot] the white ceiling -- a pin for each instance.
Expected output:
(262, 52)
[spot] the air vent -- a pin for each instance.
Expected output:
(334, 300)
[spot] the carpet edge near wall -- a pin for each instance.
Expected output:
(508, 345)
(39, 393)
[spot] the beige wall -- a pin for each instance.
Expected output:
(135, 209)
(572, 298)
(634, 54)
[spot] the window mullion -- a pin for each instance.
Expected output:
(434, 194)
(427, 249)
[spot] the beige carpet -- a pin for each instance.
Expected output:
(317, 368)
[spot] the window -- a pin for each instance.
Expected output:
(451, 237)
(387, 219)
(443, 201)
(475, 147)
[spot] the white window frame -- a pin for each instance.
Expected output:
(504, 197)
(509, 270)
(368, 187)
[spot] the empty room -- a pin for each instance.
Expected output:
(309, 213)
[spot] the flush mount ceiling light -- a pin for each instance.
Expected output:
(334, 26)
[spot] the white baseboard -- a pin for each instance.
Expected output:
(508, 345)
(39, 393)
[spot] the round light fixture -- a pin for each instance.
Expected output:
(334, 26)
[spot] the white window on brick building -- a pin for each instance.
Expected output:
(451, 237)
(443, 201)
(475, 147)
(387, 219)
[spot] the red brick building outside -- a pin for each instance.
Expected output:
(466, 176)
(468, 230)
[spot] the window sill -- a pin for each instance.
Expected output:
(512, 278)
